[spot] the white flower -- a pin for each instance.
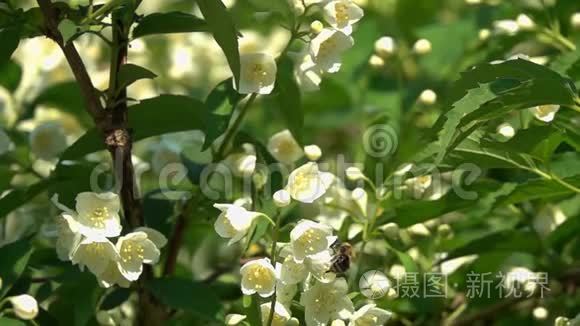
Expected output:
(242, 164)
(422, 46)
(292, 272)
(98, 214)
(309, 238)
(258, 276)
(5, 143)
(284, 147)
(548, 219)
(327, 47)
(48, 140)
(234, 319)
(258, 73)
(95, 253)
(506, 26)
(281, 314)
(234, 221)
(370, 315)
(155, 236)
(112, 275)
(325, 302)
(306, 184)
(385, 46)
(428, 97)
(313, 152)
(342, 14)
(25, 306)
(545, 113)
(68, 236)
(135, 249)
(281, 198)
(308, 75)
(319, 265)
(285, 293)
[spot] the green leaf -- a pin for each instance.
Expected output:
(564, 233)
(224, 31)
(152, 117)
(541, 189)
(503, 241)
(537, 141)
(75, 300)
(13, 260)
(494, 90)
(9, 38)
(417, 211)
(168, 23)
(222, 100)
(5, 321)
(68, 29)
(19, 197)
(66, 96)
(115, 298)
(489, 200)
(10, 75)
(289, 99)
(187, 295)
(130, 73)
(565, 62)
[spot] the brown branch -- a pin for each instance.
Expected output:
(93, 105)
(177, 237)
(114, 127)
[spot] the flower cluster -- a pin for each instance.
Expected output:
(305, 262)
(321, 55)
(83, 237)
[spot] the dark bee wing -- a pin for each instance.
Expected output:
(340, 264)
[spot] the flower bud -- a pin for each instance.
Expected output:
(506, 130)
(444, 230)
(281, 198)
(422, 46)
(575, 20)
(428, 97)
(385, 46)
(25, 306)
(337, 322)
(376, 62)
(391, 230)
(540, 313)
(313, 152)
(561, 321)
(525, 22)
(234, 319)
(484, 34)
(316, 27)
(353, 173)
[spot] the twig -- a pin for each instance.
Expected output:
(93, 105)
(177, 237)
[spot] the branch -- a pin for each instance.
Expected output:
(92, 103)
(177, 237)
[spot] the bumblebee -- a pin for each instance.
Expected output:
(343, 254)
